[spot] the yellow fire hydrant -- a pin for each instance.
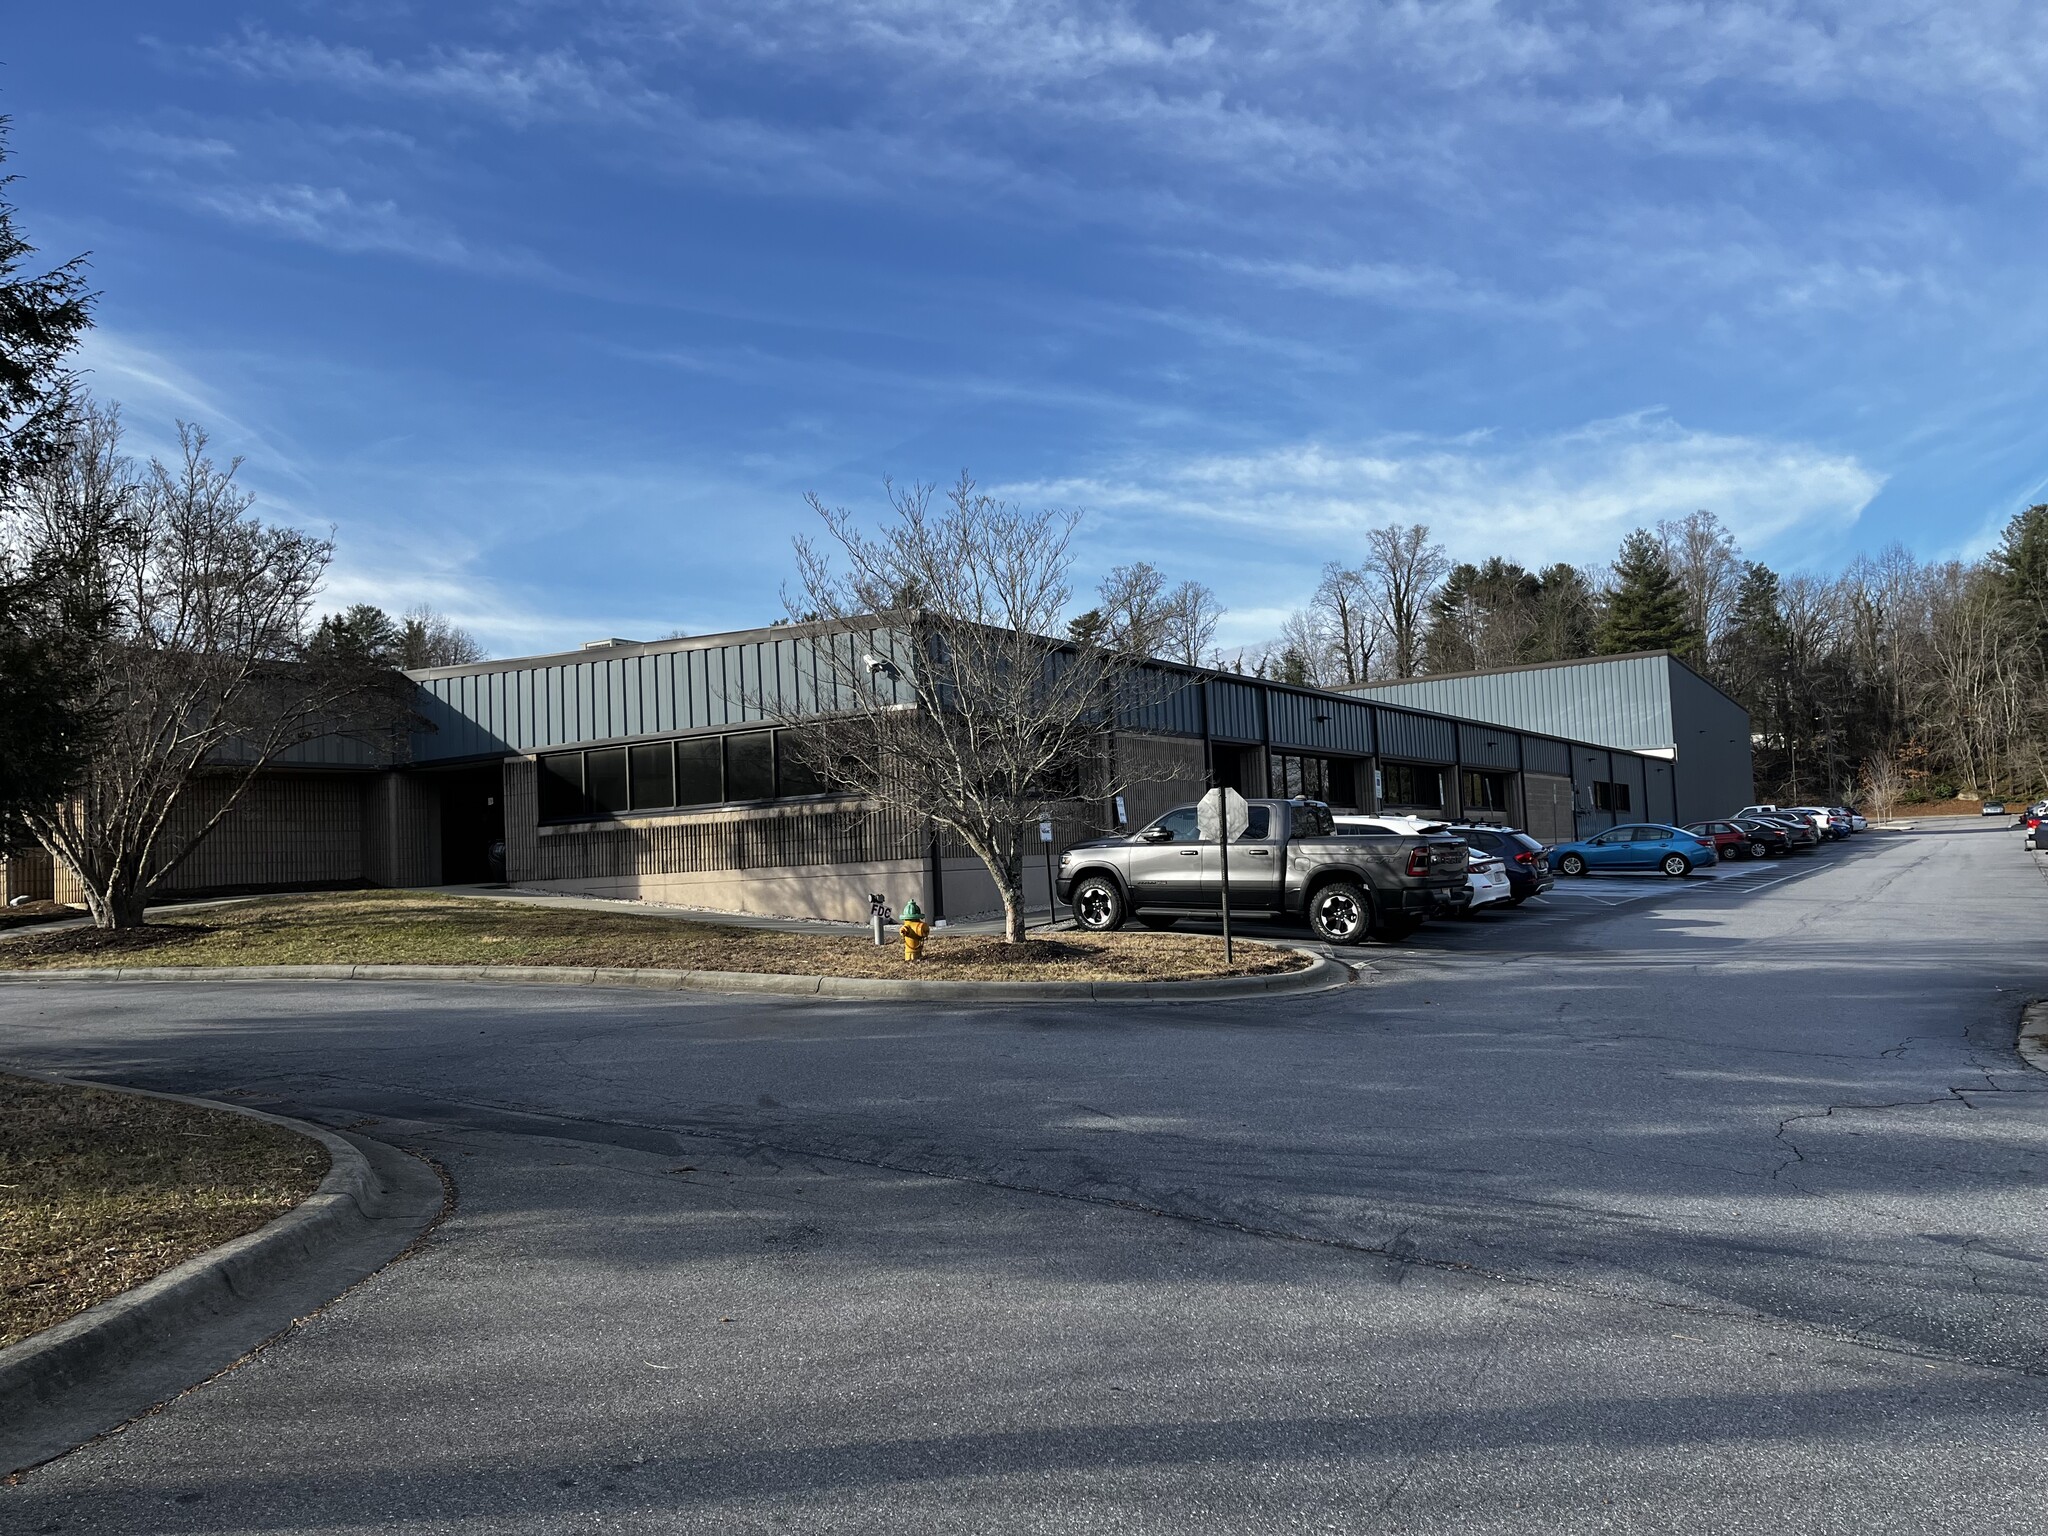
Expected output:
(914, 930)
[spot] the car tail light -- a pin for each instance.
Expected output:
(1525, 858)
(1418, 862)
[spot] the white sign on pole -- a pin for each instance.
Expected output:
(1218, 808)
(1045, 831)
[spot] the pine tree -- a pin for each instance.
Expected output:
(2021, 564)
(1646, 608)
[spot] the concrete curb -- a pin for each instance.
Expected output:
(1320, 975)
(2033, 1041)
(118, 1359)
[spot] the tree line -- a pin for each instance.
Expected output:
(1894, 680)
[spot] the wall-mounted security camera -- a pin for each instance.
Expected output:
(880, 666)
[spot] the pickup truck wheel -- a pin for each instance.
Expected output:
(1571, 864)
(1157, 919)
(1676, 864)
(1340, 913)
(1098, 905)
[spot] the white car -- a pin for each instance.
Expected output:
(1486, 876)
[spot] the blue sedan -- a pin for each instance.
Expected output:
(1648, 845)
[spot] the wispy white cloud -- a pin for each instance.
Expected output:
(334, 218)
(1567, 496)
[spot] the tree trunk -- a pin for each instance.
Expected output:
(119, 904)
(1011, 883)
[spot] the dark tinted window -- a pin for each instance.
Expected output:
(1258, 825)
(1621, 797)
(1525, 842)
(750, 767)
(1182, 823)
(1410, 784)
(561, 786)
(1311, 821)
(700, 771)
(604, 780)
(1484, 791)
(654, 776)
(794, 776)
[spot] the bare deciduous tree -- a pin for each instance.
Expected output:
(1405, 570)
(1192, 614)
(185, 616)
(430, 639)
(938, 694)
(1344, 602)
(1704, 557)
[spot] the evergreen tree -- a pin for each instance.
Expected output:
(2021, 565)
(362, 635)
(1646, 607)
(44, 728)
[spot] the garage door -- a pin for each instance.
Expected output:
(1548, 799)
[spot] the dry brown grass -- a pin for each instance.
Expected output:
(100, 1191)
(385, 928)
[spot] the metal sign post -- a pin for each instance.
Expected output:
(1220, 817)
(1052, 894)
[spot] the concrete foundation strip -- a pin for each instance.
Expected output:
(1320, 975)
(116, 1361)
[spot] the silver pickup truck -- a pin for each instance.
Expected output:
(1287, 863)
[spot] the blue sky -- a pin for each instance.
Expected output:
(555, 310)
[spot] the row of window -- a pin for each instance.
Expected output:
(1609, 797)
(669, 775)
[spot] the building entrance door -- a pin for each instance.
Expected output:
(473, 826)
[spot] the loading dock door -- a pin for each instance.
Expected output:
(1549, 806)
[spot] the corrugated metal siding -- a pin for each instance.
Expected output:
(1421, 738)
(1628, 769)
(1234, 711)
(496, 710)
(1658, 801)
(1540, 754)
(1715, 775)
(1483, 746)
(1346, 728)
(1161, 702)
(1619, 702)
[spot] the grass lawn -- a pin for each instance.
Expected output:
(100, 1191)
(391, 927)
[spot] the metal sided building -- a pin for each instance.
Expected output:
(653, 771)
(1649, 703)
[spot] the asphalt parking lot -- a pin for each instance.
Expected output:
(1717, 1208)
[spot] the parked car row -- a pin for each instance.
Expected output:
(2030, 821)
(1351, 877)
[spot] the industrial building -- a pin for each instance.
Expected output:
(1647, 702)
(654, 771)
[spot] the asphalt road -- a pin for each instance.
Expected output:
(1703, 1207)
